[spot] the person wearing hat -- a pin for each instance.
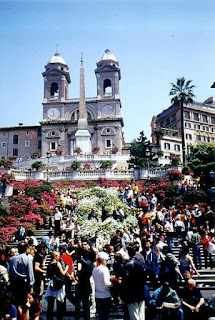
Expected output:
(101, 276)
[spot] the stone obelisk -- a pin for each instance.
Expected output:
(82, 135)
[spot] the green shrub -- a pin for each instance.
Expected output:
(105, 164)
(75, 165)
(38, 165)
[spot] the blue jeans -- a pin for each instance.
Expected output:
(170, 240)
(197, 256)
(136, 310)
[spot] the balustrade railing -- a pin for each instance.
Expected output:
(91, 174)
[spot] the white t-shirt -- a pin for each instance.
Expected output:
(58, 215)
(101, 276)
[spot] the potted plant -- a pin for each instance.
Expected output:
(115, 150)
(38, 165)
(87, 166)
(36, 155)
(78, 150)
(106, 164)
(96, 150)
(175, 175)
(59, 151)
(75, 165)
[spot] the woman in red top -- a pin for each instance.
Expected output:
(205, 241)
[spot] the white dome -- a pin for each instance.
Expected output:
(108, 56)
(57, 59)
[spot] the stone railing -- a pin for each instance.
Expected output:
(72, 175)
(52, 175)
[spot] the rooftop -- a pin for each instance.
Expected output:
(108, 56)
(57, 59)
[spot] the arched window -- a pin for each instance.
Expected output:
(107, 87)
(75, 116)
(54, 90)
(88, 116)
(15, 139)
(15, 152)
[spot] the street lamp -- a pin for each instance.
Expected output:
(147, 154)
(48, 155)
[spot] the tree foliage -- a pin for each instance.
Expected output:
(138, 152)
(202, 158)
(182, 89)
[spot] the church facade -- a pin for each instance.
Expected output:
(61, 115)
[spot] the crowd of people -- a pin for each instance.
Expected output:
(136, 272)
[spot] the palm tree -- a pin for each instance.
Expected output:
(182, 92)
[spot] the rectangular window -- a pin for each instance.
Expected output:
(204, 118)
(27, 132)
(196, 116)
(213, 120)
(167, 146)
(205, 128)
(187, 125)
(189, 136)
(198, 138)
(27, 143)
(39, 145)
(197, 126)
(108, 143)
(3, 134)
(53, 146)
(213, 130)
(173, 119)
(186, 115)
(177, 147)
(206, 139)
(167, 121)
(174, 127)
(39, 132)
(3, 144)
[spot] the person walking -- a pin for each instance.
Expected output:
(57, 220)
(21, 274)
(56, 287)
(133, 286)
(101, 276)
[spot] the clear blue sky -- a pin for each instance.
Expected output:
(155, 41)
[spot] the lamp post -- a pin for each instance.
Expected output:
(147, 154)
(48, 155)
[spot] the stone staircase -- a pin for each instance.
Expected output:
(206, 280)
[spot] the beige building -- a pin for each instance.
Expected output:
(199, 126)
(20, 141)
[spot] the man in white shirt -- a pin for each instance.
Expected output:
(101, 276)
(57, 220)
